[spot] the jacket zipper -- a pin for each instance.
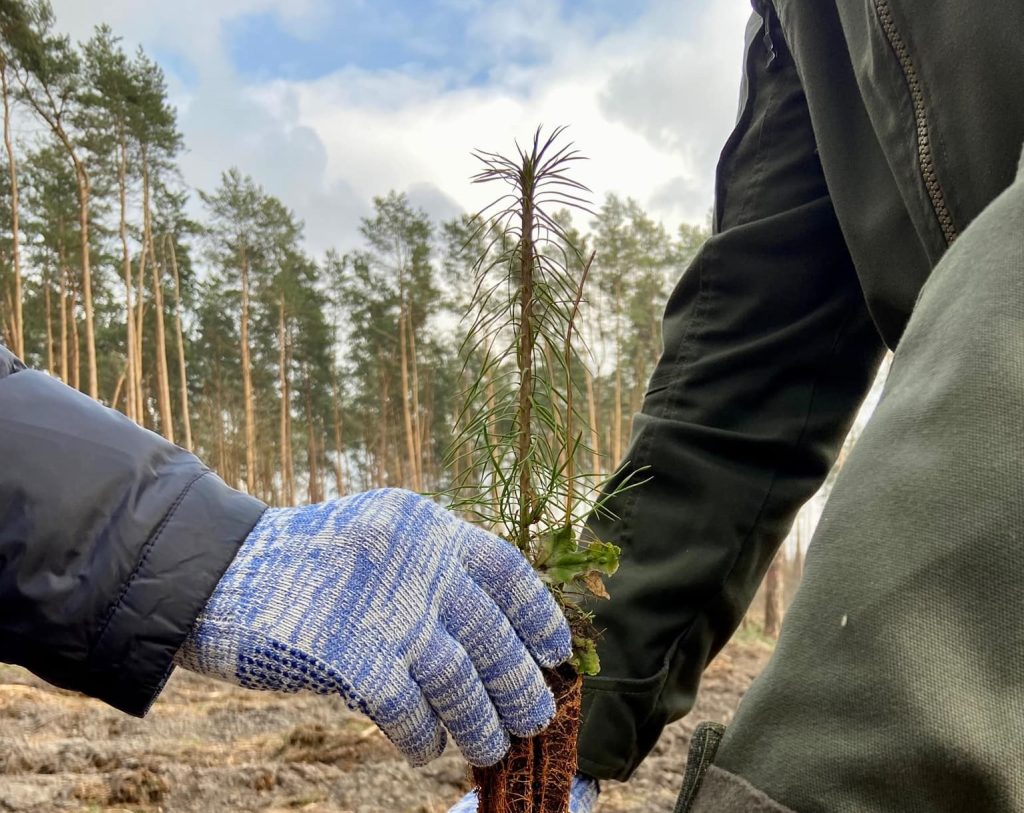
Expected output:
(925, 158)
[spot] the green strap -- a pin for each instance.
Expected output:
(703, 747)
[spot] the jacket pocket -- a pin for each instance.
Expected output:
(751, 50)
(614, 730)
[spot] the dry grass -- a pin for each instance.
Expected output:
(213, 748)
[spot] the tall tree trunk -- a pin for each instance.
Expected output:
(491, 434)
(222, 460)
(7, 327)
(52, 115)
(339, 472)
(76, 346)
(617, 417)
(287, 463)
(318, 449)
(12, 169)
(247, 393)
(186, 417)
(48, 304)
(773, 597)
(289, 429)
(140, 332)
(416, 433)
(64, 371)
(396, 472)
(410, 438)
(382, 467)
(270, 493)
(636, 392)
(282, 379)
(119, 388)
(162, 373)
(429, 465)
(595, 440)
(131, 401)
(321, 450)
(83, 238)
(314, 465)
(457, 432)
(550, 370)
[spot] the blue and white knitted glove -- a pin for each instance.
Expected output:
(415, 617)
(582, 797)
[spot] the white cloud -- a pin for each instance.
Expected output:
(649, 105)
(190, 27)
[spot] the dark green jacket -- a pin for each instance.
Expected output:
(870, 133)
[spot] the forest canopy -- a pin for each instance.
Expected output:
(201, 314)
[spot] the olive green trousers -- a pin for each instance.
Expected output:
(898, 681)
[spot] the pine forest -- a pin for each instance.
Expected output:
(297, 378)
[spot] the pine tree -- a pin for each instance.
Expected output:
(612, 273)
(234, 235)
(12, 16)
(108, 99)
(217, 374)
(173, 232)
(392, 292)
(399, 256)
(152, 124)
(49, 76)
(21, 25)
(50, 228)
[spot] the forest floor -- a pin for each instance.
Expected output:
(209, 747)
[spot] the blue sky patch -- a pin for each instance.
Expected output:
(177, 66)
(389, 35)
(397, 35)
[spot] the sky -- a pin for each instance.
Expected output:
(328, 103)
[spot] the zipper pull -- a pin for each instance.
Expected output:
(769, 45)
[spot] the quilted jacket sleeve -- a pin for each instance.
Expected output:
(111, 541)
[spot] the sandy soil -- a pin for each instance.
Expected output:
(210, 747)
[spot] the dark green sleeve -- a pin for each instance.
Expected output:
(769, 351)
(111, 541)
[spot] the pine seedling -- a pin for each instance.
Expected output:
(520, 434)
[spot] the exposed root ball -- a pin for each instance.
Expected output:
(536, 776)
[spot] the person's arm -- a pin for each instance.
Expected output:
(769, 350)
(121, 554)
(111, 541)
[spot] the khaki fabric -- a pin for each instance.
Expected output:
(870, 135)
(723, 792)
(898, 681)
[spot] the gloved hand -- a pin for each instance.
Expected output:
(415, 617)
(582, 797)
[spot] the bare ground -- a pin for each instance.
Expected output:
(213, 748)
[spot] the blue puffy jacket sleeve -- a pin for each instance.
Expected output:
(111, 541)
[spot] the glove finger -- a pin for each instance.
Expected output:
(583, 795)
(509, 673)
(467, 804)
(582, 798)
(500, 569)
(450, 683)
(407, 719)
